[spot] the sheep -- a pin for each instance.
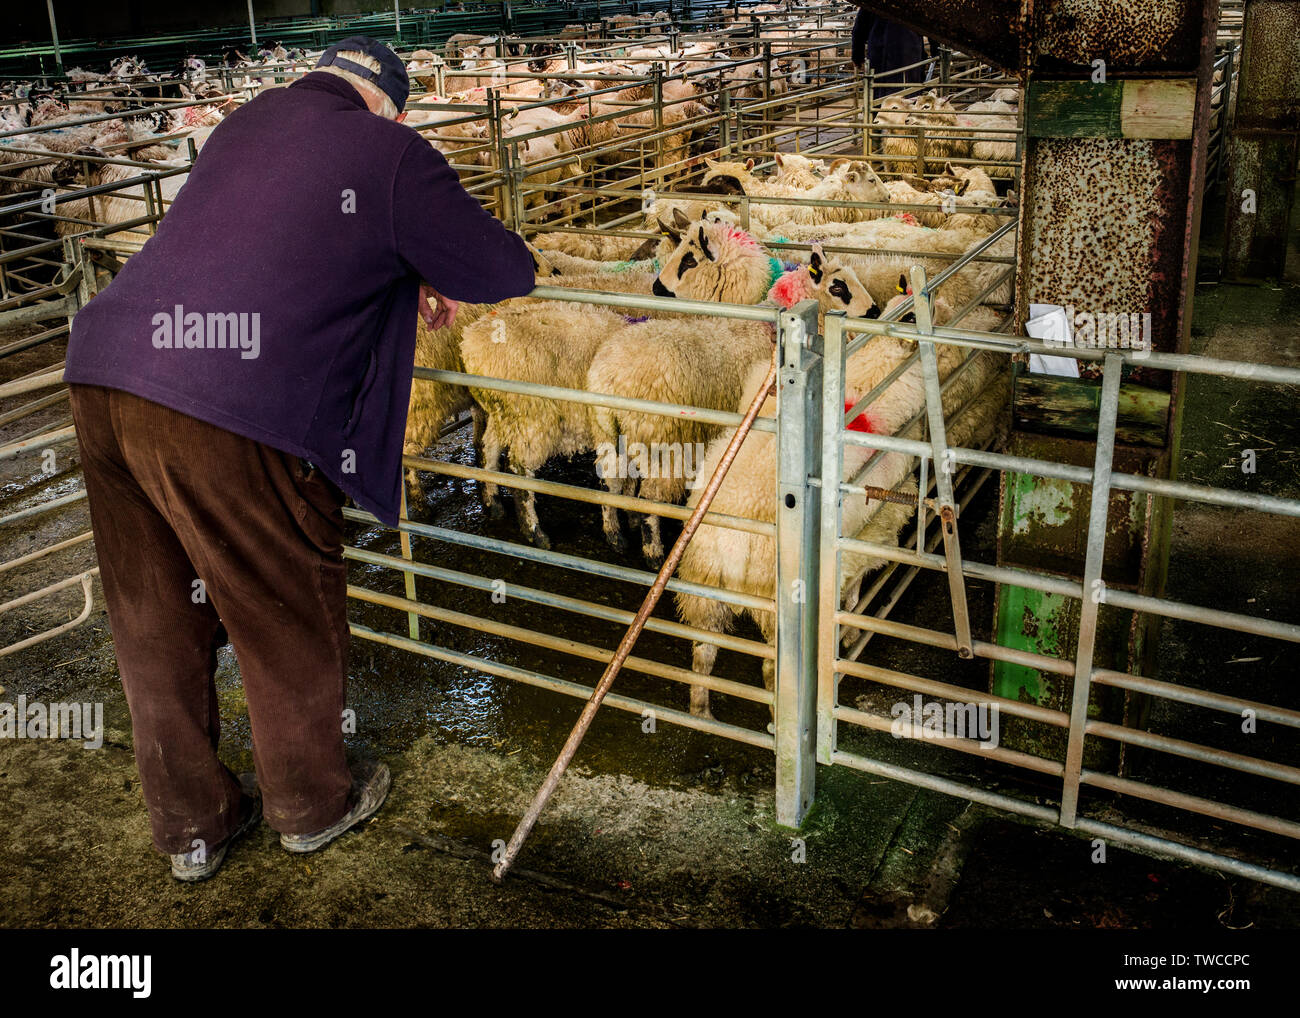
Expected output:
(989, 142)
(461, 141)
(547, 149)
(897, 140)
(682, 363)
(936, 118)
(466, 346)
(433, 403)
(718, 262)
(552, 342)
(745, 562)
(845, 182)
(118, 206)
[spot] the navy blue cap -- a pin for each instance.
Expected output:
(391, 79)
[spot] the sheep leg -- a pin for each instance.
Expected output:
(769, 683)
(609, 517)
(526, 509)
(414, 489)
(492, 461)
(703, 655)
(652, 542)
(479, 418)
(849, 634)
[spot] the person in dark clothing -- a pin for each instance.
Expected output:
(246, 370)
(888, 48)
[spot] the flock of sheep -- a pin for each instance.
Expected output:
(934, 204)
(703, 254)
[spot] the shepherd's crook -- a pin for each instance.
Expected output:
(629, 638)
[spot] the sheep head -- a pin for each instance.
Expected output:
(716, 261)
(835, 287)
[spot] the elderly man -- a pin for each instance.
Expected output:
(246, 370)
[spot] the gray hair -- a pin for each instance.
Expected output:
(387, 108)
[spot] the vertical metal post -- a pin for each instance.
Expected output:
(54, 35)
(947, 505)
(1094, 590)
(767, 71)
(1264, 143)
(799, 384)
(868, 87)
(724, 109)
(828, 632)
(408, 577)
(252, 27)
(657, 87)
(397, 19)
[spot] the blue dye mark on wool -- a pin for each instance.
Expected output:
(636, 321)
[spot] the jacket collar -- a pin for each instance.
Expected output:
(322, 81)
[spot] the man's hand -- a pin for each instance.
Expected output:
(443, 311)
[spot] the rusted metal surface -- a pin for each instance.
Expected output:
(1103, 228)
(1126, 34)
(1264, 142)
(1152, 35)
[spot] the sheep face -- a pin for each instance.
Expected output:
(856, 181)
(726, 177)
(933, 111)
(893, 112)
(716, 261)
(837, 288)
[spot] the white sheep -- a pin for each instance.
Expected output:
(744, 562)
(693, 363)
(550, 342)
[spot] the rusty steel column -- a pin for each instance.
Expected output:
(1263, 142)
(1117, 111)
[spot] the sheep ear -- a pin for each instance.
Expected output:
(902, 283)
(837, 164)
(948, 169)
(779, 160)
(749, 164)
(680, 219)
(704, 245)
(959, 188)
(817, 264)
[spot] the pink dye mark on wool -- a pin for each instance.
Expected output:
(791, 288)
(740, 237)
(908, 219)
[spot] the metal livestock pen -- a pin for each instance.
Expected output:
(820, 640)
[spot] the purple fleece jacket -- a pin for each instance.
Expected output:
(278, 298)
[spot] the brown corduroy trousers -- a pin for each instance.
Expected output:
(204, 535)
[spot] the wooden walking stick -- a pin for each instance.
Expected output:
(630, 637)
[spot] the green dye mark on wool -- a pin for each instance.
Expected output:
(776, 269)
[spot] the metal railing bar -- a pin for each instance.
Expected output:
(737, 734)
(754, 648)
(573, 647)
(572, 562)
